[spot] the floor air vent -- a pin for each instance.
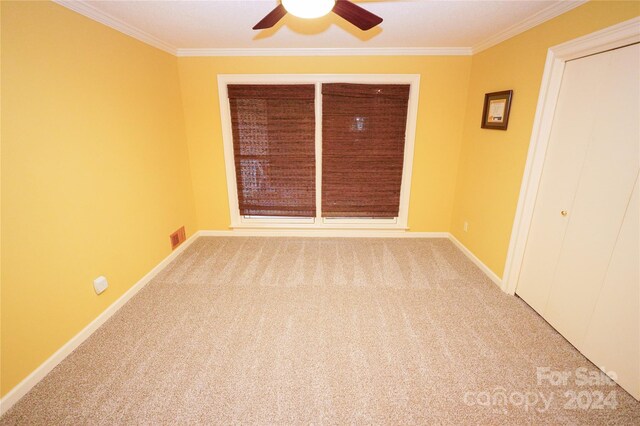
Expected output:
(177, 238)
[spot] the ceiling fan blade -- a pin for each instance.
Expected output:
(358, 16)
(272, 18)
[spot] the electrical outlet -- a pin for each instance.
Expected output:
(100, 284)
(465, 226)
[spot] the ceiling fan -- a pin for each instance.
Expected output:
(309, 9)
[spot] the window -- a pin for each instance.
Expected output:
(274, 149)
(307, 151)
(363, 133)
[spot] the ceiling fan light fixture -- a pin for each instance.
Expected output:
(308, 9)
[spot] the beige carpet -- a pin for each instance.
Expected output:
(323, 331)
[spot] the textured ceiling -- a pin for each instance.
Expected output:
(226, 24)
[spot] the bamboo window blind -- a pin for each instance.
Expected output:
(274, 148)
(363, 136)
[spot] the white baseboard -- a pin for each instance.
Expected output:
(39, 373)
(484, 268)
(323, 233)
(353, 233)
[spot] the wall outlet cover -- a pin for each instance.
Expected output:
(100, 284)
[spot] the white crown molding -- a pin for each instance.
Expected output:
(358, 51)
(83, 8)
(91, 12)
(544, 15)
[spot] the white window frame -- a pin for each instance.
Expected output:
(318, 222)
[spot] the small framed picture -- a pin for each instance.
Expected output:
(495, 114)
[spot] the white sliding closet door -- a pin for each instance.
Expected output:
(615, 316)
(581, 263)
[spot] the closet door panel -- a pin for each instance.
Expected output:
(606, 183)
(567, 149)
(613, 335)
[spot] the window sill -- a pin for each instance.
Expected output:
(317, 223)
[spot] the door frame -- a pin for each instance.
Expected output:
(618, 35)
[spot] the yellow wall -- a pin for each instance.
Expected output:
(443, 94)
(492, 161)
(94, 174)
(97, 162)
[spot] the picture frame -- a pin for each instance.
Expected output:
(495, 113)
